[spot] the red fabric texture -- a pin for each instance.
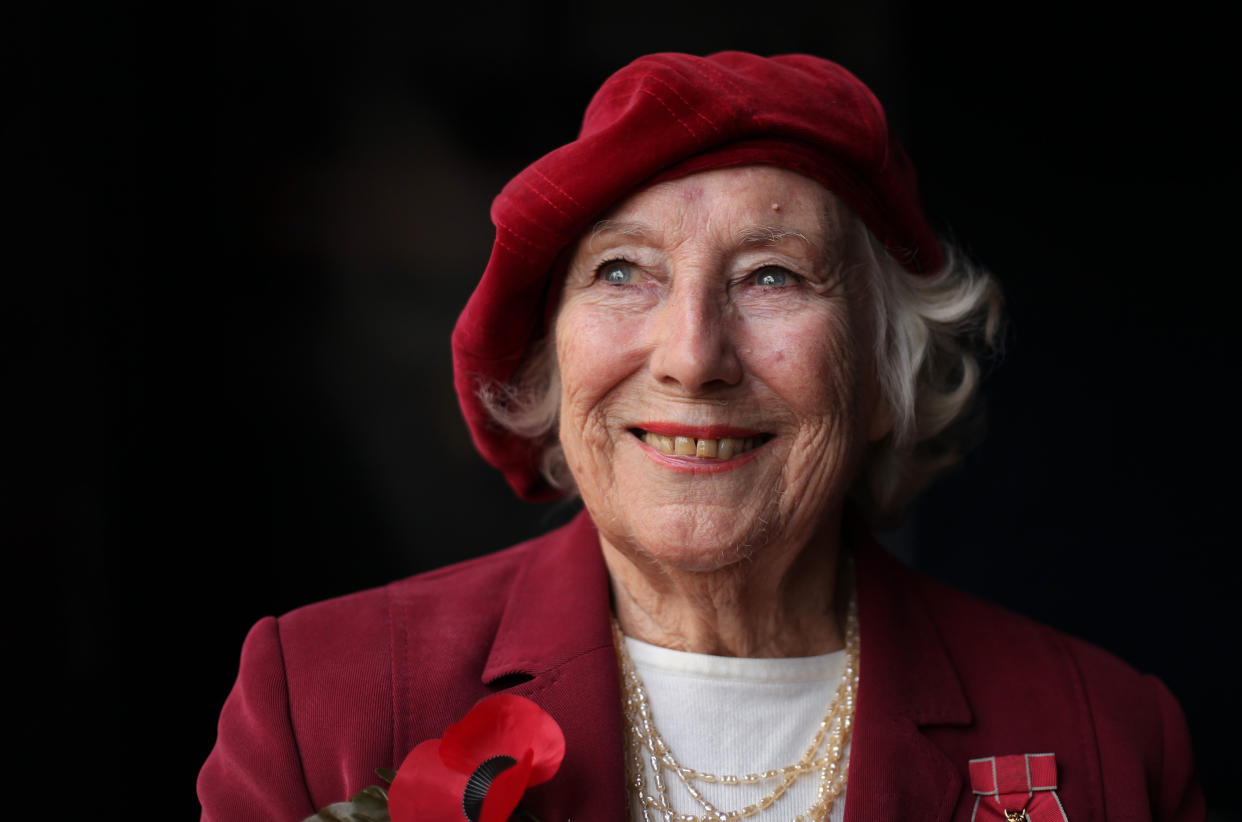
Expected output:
(330, 692)
(667, 115)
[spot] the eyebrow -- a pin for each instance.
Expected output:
(770, 235)
(638, 231)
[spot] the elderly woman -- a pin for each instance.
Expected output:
(719, 317)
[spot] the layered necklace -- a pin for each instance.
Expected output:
(825, 756)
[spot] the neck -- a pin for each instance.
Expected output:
(774, 603)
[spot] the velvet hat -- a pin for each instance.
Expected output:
(665, 116)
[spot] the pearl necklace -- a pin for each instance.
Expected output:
(824, 755)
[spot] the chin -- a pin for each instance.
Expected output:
(700, 539)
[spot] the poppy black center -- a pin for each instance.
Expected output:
(480, 781)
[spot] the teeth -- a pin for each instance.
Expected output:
(723, 448)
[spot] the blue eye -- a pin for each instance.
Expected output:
(772, 277)
(616, 272)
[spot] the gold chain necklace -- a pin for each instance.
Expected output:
(644, 745)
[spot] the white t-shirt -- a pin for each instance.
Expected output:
(732, 715)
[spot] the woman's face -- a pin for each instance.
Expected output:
(717, 388)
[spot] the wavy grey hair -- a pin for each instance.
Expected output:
(933, 334)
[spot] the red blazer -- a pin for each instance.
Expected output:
(330, 692)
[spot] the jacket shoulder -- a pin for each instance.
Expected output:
(975, 629)
(314, 709)
(343, 648)
(994, 648)
(457, 591)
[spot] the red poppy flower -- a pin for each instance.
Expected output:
(482, 765)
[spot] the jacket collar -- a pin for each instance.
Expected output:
(906, 667)
(553, 613)
(906, 680)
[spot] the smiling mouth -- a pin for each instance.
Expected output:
(721, 448)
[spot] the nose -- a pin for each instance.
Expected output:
(693, 347)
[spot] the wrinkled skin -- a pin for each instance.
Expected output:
(726, 298)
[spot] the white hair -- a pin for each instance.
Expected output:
(932, 335)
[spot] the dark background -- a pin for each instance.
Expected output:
(245, 233)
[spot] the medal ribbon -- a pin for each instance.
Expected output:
(1018, 788)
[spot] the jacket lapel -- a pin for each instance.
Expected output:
(556, 629)
(906, 681)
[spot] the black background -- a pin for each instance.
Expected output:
(245, 233)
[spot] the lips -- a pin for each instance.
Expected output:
(711, 442)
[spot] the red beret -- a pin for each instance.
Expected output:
(662, 116)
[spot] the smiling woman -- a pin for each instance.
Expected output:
(712, 336)
(738, 340)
